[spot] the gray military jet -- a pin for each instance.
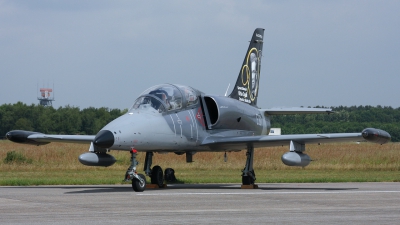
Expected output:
(180, 119)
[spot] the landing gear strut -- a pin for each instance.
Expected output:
(138, 180)
(156, 173)
(248, 175)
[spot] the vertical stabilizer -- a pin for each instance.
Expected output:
(246, 87)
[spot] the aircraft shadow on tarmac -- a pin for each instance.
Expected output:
(110, 189)
(127, 188)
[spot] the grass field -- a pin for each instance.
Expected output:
(57, 163)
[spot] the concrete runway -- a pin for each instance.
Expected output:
(316, 203)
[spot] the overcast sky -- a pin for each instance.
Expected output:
(105, 53)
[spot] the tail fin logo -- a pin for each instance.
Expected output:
(250, 74)
(246, 86)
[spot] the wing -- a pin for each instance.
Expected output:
(35, 138)
(233, 143)
(291, 111)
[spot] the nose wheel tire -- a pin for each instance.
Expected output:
(157, 176)
(137, 185)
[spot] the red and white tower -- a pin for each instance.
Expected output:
(45, 98)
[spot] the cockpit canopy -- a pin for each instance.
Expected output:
(166, 97)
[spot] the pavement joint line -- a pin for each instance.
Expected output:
(266, 193)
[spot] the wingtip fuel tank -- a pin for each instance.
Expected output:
(376, 135)
(21, 136)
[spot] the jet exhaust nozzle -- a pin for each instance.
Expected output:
(376, 135)
(96, 159)
(296, 159)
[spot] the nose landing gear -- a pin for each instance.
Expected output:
(138, 180)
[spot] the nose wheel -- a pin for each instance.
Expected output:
(139, 185)
(138, 180)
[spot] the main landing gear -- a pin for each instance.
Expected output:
(248, 175)
(156, 173)
(157, 176)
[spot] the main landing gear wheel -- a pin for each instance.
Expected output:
(157, 176)
(248, 175)
(137, 185)
(248, 180)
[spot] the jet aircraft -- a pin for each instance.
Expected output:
(183, 120)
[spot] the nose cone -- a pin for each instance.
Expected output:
(104, 139)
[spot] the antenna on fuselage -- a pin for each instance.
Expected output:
(226, 92)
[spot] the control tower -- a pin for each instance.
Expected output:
(45, 99)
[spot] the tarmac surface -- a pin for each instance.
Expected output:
(316, 203)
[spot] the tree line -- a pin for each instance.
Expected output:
(73, 120)
(343, 120)
(64, 120)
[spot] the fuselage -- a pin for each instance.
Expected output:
(176, 118)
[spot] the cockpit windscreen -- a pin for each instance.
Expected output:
(166, 97)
